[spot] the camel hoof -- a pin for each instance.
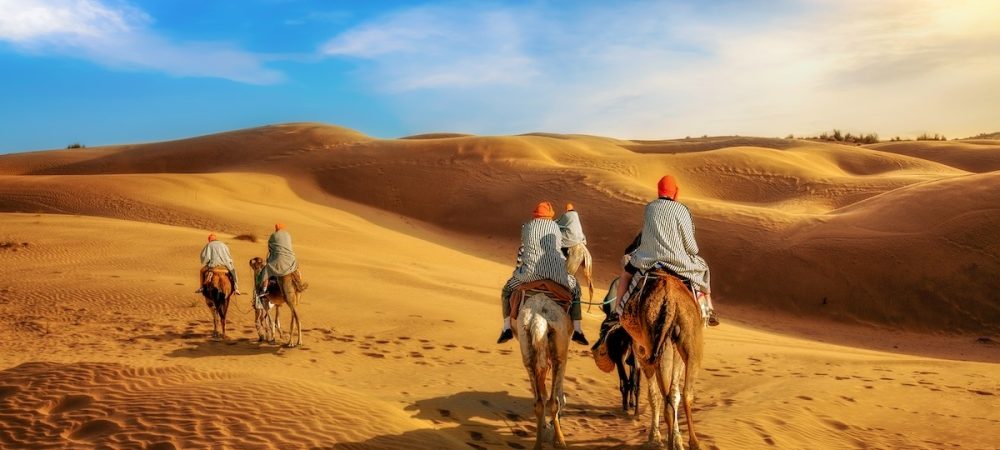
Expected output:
(653, 443)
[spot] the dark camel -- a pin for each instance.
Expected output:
(217, 288)
(666, 326)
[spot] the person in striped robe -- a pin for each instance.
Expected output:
(540, 257)
(667, 239)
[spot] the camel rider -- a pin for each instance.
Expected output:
(668, 239)
(216, 254)
(540, 257)
(281, 260)
(572, 231)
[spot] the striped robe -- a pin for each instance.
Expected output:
(572, 231)
(540, 257)
(668, 238)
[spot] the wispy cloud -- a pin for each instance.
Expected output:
(648, 69)
(433, 47)
(116, 34)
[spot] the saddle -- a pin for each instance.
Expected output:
(555, 291)
(210, 273)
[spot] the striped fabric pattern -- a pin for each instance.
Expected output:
(572, 231)
(540, 256)
(668, 238)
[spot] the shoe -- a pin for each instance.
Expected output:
(579, 338)
(505, 336)
(713, 319)
(237, 292)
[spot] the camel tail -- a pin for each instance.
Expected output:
(660, 334)
(588, 271)
(538, 337)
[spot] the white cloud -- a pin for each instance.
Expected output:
(654, 69)
(115, 34)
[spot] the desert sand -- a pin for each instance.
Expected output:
(853, 282)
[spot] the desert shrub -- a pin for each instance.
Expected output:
(931, 137)
(76, 145)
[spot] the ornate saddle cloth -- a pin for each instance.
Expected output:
(555, 291)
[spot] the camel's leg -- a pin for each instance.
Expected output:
(634, 396)
(538, 381)
(624, 386)
(673, 370)
(215, 322)
(654, 440)
(292, 299)
(664, 374)
(557, 399)
(690, 373)
(276, 325)
(222, 315)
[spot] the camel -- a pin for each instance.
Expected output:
(665, 323)
(579, 257)
(217, 288)
(543, 328)
(614, 351)
(281, 292)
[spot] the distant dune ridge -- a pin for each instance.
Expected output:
(406, 243)
(894, 233)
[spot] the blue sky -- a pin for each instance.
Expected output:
(117, 71)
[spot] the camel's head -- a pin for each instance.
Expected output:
(256, 263)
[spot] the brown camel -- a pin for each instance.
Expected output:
(666, 326)
(579, 257)
(543, 328)
(280, 291)
(217, 288)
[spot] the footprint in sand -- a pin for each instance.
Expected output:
(514, 445)
(94, 429)
(476, 436)
(72, 403)
(444, 413)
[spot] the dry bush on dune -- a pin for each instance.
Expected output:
(76, 145)
(994, 135)
(931, 137)
(838, 136)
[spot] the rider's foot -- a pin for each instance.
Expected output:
(713, 319)
(505, 336)
(237, 292)
(579, 338)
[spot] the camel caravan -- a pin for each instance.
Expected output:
(655, 314)
(655, 311)
(277, 282)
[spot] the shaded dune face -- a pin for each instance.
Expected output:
(896, 234)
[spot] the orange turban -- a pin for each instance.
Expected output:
(544, 210)
(569, 207)
(212, 237)
(279, 226)
(667, 187)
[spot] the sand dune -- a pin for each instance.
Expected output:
(750, 201)
(405, 244)
(397, 355)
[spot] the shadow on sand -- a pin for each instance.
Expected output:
(483, 420)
